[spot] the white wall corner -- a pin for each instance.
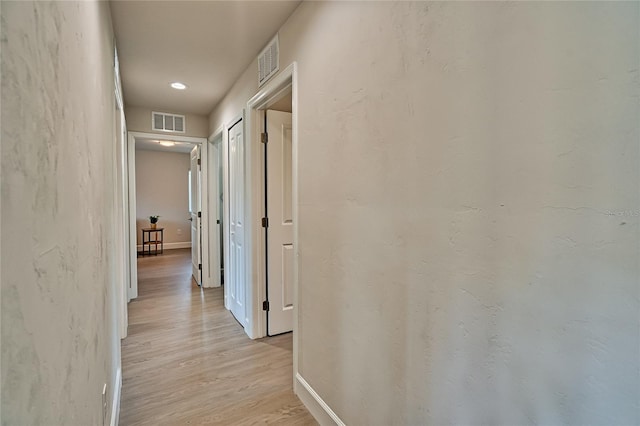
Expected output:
(115, 403)
(315, 404)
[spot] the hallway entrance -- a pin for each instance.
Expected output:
(186, 360)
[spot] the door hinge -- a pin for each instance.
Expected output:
(199, 266)
(265, 305)
(265, 222)
(264, 137)
(199, 164)
(217, 221)
(199, 214)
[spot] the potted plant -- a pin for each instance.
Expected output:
(153, 220)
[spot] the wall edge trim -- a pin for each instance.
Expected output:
(319, 409)
(115, 403)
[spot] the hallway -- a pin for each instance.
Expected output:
(187, 361)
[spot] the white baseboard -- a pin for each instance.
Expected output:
(315, 404)
(115, 403)
(171, 246)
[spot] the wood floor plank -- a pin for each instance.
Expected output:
(187, 361)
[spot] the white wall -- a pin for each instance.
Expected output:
(468, 198)
(162, 188)
(60, 340)
(139, 120)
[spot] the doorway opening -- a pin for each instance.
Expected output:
(216, 206)
(273, 237)
(278, 209)
(166, 179)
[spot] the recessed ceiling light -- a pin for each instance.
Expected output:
(167, 143)
(178, 85)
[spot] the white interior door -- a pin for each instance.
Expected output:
(235, 288)
(194, 210)
(280, 251)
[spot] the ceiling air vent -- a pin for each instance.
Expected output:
(167, 122)
(268, 61)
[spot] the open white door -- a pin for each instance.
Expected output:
(280, 253)
(235, 290)
(195, 213)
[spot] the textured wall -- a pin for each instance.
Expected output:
(59, 335)
(139, 120)
(469, 203)
(460, 238)
(162, 188)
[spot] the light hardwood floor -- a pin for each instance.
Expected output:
(186, 361)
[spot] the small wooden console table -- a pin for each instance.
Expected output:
(148, 240)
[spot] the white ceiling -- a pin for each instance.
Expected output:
(204, 44)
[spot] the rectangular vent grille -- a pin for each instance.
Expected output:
(168, 122)
(268, 61)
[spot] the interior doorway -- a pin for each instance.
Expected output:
(263, 299)
(278, 207)
(177, 221)
(216, 200)
(245, 250)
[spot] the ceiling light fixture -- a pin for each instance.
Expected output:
(178, 85)
(167, 143)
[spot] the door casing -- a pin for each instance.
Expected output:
(131, 204)
(194, 208)
(215, 162)
(122, 225)
(255, 237)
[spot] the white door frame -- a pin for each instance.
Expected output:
(195, 206)
(272, 91)
(213, 164)
(131, 172)
(225, 206)
(120, 187)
